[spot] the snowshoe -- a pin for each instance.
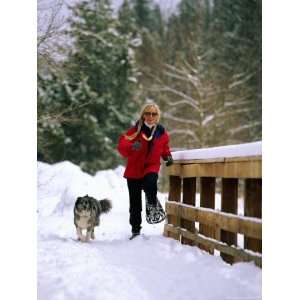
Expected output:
(154, 213)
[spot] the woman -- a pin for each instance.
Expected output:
(143, 145)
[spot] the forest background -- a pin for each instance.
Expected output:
(201, 62)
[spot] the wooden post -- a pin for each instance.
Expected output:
(253, 203)
(207, 200)
(174, 195)
(229, 204)
(189, 197)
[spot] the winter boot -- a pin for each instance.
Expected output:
(134, 234)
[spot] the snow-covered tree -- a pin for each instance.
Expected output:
(209, 83)
(96, 89)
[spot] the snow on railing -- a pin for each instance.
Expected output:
(240, 150)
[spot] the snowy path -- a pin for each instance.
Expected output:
(112, 267)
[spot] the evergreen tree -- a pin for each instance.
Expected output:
(150, 26)
(144, 14)
(127, 19)
(99, 83)
(50, 105)
(212, 84)
(203, 66)
(234, 47)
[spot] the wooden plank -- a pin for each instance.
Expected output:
(189, 197)
(174, 188)
(244, 158)
(229, 198)
(207, 192)
(217, 159)
(174, 170)
(251, 227)
(207, 200)
(212, 243)
(234, 169)
(199, 161)
(174, 195)
(253, 207)
(230, 169)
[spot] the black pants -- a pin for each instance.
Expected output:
(135, 186)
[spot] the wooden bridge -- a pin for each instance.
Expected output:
(237, 172)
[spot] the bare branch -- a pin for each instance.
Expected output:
(50, 28)
(183, 132)
(184, 102)
(245, 127)
(166, 88)
(188, 77)
(176, 119)
(60, 117)
(241, 81)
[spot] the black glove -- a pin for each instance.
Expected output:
(136, 146)
(169, 161)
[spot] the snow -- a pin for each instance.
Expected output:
(112, 267)
(247, 149)
(207, 119)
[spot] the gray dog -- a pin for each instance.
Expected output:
(87, 211)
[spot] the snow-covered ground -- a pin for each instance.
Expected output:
(112, 267)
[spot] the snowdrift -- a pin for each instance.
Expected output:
(112, 267)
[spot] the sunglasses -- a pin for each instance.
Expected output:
(148, 114)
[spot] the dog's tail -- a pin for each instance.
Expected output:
(105, 205)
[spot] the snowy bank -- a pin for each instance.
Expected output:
(112, 267)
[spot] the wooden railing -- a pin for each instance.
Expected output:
(212, 229)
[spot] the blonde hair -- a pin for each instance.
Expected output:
(141, 120)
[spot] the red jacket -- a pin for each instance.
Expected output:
(147, 158)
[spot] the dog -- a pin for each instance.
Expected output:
(87, 211)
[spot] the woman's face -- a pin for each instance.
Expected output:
(150, 115)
